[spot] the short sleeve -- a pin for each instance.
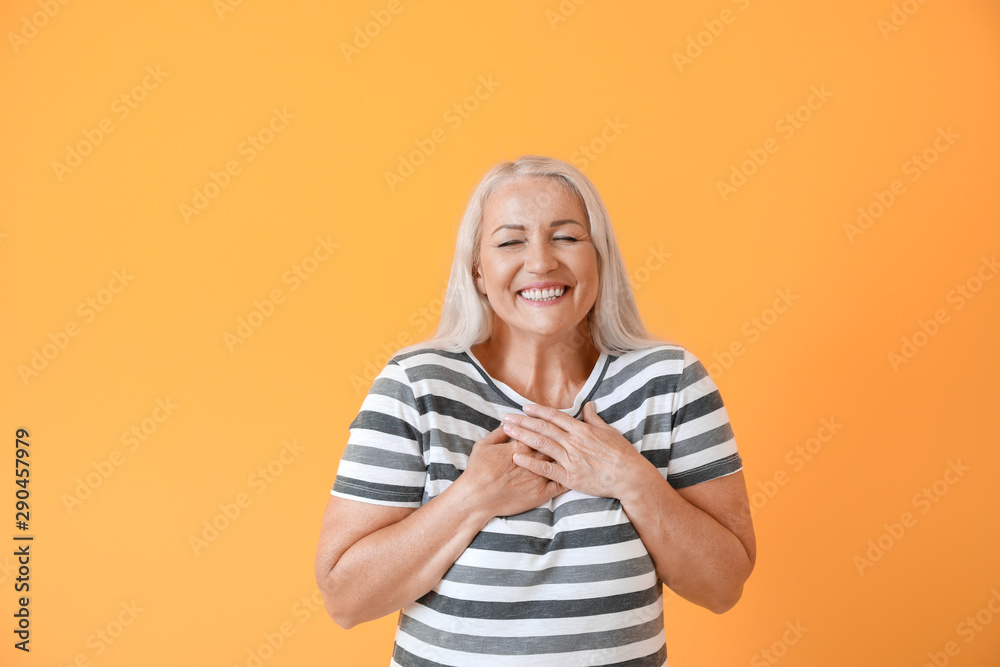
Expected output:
(383, 461)
(702, 444)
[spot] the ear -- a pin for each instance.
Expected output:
(480, 283)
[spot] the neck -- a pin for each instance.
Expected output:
(549, 371)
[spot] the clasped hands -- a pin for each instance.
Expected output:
(588, 456)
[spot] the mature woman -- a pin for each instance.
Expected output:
(521, 484)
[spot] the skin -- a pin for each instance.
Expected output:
(373, 560)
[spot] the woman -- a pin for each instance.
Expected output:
(521, 484)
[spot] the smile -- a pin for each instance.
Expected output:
(543, 295)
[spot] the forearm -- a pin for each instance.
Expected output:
(694, 555)
(392, 567)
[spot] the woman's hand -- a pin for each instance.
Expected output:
(498, 486)
(588, 456)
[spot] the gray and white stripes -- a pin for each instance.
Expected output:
(567, 583)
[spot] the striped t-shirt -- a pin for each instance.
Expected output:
(569, 582)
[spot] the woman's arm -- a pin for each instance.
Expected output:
(373, 560)
(700, 537)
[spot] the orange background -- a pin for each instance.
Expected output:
(662, 132)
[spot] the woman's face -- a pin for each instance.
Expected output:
(536, 235)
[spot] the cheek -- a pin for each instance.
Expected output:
(586, 268)
(499, 274)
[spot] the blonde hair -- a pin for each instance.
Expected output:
(467, 317)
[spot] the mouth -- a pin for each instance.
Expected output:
(546, 295)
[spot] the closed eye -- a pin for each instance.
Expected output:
(558, 238)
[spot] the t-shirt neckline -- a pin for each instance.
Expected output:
(516, 400)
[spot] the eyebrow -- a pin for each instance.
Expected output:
(554, 224)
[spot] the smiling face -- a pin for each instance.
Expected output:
(538, 265)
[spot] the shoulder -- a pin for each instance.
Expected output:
(659, 359)
(665, 369)
(413, 358)
(432, 371)
(658, 351)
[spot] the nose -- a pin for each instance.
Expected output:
(540, 258)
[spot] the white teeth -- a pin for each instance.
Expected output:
(544, 294)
